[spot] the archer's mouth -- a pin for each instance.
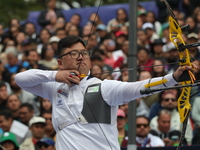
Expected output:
(80, 64)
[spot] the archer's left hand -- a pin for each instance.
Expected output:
(181, 69)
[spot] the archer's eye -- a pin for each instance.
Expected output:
(74, 53)
(85, 53)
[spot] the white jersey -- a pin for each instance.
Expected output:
(73, 132)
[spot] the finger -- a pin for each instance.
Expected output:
(75, 81)
(68, 82)
(72, 76)
(194, 66)
(75, 72)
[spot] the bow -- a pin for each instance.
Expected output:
(184, 106)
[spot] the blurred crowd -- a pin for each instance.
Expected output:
(26, 119)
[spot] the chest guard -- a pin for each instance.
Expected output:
(95, 109)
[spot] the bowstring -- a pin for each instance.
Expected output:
(87, 75)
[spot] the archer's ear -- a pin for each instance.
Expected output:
(60, 64)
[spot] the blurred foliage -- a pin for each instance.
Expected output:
(20, 8)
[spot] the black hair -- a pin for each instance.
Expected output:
(2, 84)
(44, 50)
(143, 49)
(95, 57)
(126, 19)
(30, 23)
(76, 15)
(68, 42)
(28, 52)
(142, 116)
(28, 105)
(6, 113)
(45, 112)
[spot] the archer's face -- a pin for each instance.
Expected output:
(81, 64)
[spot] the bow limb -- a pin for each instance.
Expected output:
(184, 106)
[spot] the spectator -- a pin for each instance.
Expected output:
(76, 20)
(20, 37)
(196, 16)
(144, 59)
(121, 19)
(32, 57)
(48, 17)
(164, 33)
(122, 133)
(157, 52)
(91, 41)
(60, 23)
(8, 141)
(46, 144)
(125, 30)
(47, 57)
(96, 71)
(195, 117)
(142, 39)
(26, 112)
(45, 35)
(121, 37)
(95, 19)
(8, 124)
(114, 57)
(13, 103)
(115, 26)
(144, 138)
(8, 43)
(142, 13)
(25, 97)
(139, 23)
(150, 31)
(194, 51)
(14, 64)
(67, 26)
(54, 43)
(3, 94)
(124, 76)
(1, 33)
(14, 28)
(88, 29)
(97, 60)
(45, 105)
(165, 131)
(158, 69)
(30, 32)
(151, 17)
(48, 129)
(162, 13)
(36, 126)
(193, 26)
(171, 56)
(102, 33)
(169, 102)
(61, 33)
(189, 6)
(73, 30)
(125, 49)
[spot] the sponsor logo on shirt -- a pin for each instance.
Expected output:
(62, 93)
(93, 89)
(60, 103)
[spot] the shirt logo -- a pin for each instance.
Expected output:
(62, 93)
(93, 89)
(60, 103)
